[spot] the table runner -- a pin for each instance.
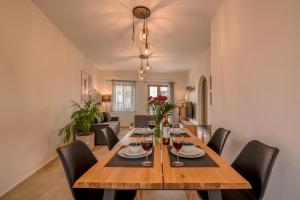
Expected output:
(118, 161)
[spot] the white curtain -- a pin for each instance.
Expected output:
(123, 97)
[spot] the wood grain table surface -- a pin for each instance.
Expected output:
(222, 177)
(162, 175)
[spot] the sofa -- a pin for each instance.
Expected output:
(103, 122)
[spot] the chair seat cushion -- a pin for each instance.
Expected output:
(229, 195)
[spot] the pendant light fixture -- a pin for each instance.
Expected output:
(145, 49)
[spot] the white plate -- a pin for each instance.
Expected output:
(125, 153)
(142, 131)
(195, 153)
(177, 131)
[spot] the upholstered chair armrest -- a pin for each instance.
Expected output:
(114, 119)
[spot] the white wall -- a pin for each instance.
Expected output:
(201, 68)
(39, 75)
(255, 69)
(105, 87)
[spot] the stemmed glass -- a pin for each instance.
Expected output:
(151, 125)
(177, 142)
(147, 144)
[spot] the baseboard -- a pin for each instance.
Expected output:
(30, 174)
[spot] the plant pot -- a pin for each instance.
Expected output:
(87, 138)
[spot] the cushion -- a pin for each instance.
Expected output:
(106, 117)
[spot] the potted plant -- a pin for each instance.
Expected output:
(160, 106)
(81, 120)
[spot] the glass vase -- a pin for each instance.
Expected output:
(158, 131)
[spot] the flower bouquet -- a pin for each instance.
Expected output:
(160, 106)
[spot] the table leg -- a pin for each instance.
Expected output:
(214, 195)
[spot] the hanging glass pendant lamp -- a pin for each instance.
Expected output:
(133, 32)
(141, 70)
(146, 49)
(145, 31)
(147, 65)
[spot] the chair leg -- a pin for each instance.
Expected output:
(214, 195)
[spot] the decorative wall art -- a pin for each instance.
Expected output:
(86, 85)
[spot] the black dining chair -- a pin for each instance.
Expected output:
(254, 163)
(110, 137)
(76, 159)
(217, 142)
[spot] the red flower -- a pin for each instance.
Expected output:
(164, 98)
(161, 98)
(149, 98)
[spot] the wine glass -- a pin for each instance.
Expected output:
(177, 142)
(151, 125)
(147, 143)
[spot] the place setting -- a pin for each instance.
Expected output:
(187, 154)
(136, 154)
(178, 132)
(139, 132)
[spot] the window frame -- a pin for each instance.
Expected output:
(158, 92)
(133, 95)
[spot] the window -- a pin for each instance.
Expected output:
(123, 97)
(155, 90)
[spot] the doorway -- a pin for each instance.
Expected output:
(202, 101)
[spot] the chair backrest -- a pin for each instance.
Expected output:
(217, 142)
(111, 138)
(76, 159)
(141, 121)
(255, 163)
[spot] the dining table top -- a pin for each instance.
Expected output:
(162, 175)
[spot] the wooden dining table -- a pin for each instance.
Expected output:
(162, 175)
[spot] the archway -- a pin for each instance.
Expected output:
(202, 101)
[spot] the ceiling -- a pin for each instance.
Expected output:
(101, 29)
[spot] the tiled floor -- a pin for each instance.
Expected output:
(50, 183)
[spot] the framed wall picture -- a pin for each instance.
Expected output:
(85, 86)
